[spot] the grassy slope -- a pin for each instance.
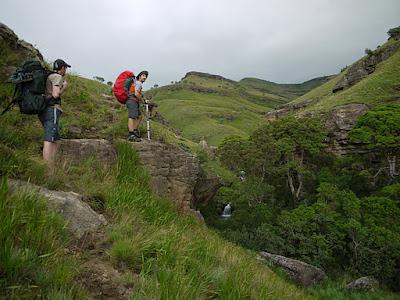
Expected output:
(211, 116)
(144, 234)
(378, 88)
(224, 107)
(284, 91)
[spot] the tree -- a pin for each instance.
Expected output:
(98, 78)
(379, 129)
(155, 85)
(368, 52)
(293, 139)
(394, 32)
(110, 83)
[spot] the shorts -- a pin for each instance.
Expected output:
(133, 109)
(50, 120)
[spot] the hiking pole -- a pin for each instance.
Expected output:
(147, 120)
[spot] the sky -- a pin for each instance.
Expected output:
(284, 41)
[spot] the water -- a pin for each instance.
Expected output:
(227, 211)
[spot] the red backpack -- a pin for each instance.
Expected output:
(119, 91)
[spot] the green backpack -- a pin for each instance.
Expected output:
(30, 85)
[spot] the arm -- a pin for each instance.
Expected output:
(64, 87)
(56, 92)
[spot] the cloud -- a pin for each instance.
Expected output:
(282, 41)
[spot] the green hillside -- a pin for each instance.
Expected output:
(159, 254)
(213, 107)
(382, 86)
(284, 91)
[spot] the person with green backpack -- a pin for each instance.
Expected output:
(50, 116)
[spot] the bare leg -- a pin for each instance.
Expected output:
(50, 151)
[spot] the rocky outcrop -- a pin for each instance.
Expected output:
(206, 75)
(77, 149)
(300, 272)
(284, 110)
(365, 66)
(206, 188)
(80, 218)
(367, 283)
(10, 39)
(174, 172)
(339, 123)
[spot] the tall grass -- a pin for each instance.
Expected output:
(176, 257)
(32, 242)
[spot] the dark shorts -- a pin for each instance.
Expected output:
(50, 120)
(133, 109)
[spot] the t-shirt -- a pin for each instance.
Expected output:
(131, 85)
(53, 80)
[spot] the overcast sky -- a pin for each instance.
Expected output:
(285, 41)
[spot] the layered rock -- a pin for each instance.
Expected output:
(300, 272)
(339, 123)
(284, 110)
(174, 172)
(80, 218)
(365, 67)
(206, 188)
(77, 149)
(20, 47)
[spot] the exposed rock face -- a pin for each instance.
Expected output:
(364, 283)
(174, 172)
(301, 272)
(206, 75)
(339, 123)
(284, 110)
(8, 37)
(78, 149)
(364, 67)
(79, 216)
(206, 188)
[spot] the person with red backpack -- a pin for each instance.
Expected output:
(133, 88)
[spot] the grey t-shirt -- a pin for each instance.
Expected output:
(53, 80)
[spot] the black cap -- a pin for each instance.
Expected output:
(59, 63)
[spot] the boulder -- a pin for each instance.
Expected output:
(174, 172)
(77, 149)
(302, 273)
(367, 283)
(80, 218)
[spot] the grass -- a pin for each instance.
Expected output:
(32, 241)
(209, 115)
(380, 87)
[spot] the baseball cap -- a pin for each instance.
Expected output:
(59, 63)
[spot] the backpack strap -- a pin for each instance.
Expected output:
(12, 103)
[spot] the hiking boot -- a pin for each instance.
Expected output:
(134, 138)
(137, 133)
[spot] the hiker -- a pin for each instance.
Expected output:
(50, 116)
(133, 88)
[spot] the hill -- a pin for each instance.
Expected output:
(286, 91)
(377, 84)
(147, 250)
(213, 107)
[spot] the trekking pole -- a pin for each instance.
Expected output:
(147, 120)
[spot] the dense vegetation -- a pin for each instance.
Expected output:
(342, 214)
